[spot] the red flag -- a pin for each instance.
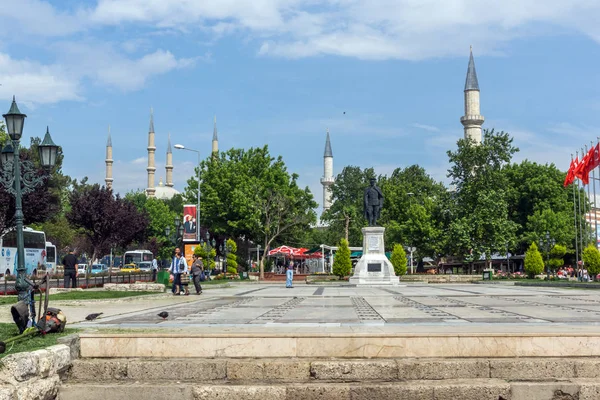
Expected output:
(571, 172)
(581, 170)
(593, 158)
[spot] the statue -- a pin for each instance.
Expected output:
(373, 202)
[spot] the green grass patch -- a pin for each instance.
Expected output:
(80, 295)
(30, 343)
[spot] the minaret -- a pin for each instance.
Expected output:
(215, 141)
(151, 164)
(109, 162)
(169, 166)
(472, 120)
(327, 179)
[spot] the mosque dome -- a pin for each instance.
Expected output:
(164, 192)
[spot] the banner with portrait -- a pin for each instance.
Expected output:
(189, 223)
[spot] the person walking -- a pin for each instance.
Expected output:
(69, 263)
(197, 273)
(178, 267)
(290, 275)
(154, 269)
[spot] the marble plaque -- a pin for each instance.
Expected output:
(373, 243)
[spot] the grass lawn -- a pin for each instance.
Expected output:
(80, 295)
(30, 343)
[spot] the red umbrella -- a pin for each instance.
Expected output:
(285, 250)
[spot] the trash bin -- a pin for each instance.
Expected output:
(487, 275)
(163, 277)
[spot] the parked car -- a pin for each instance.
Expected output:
(130, 268)
(145, 266)
(99, 268)
(82, 269)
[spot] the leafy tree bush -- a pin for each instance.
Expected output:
(231, 256)
(399, 260)
(534, 264)
(591, 260)
(341, 263)
(556, 256)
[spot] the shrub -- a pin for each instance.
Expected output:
(556, 256)
(231, 270)
(231, 256)
(534, 264)
(591, 259)
(342, 265)
(399, 260)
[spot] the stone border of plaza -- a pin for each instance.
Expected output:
(578, 285)
(37, 374)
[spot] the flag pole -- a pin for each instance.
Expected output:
(595, 208)
(588, 206)
(580, 272)
(575, 221)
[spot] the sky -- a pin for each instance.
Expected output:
(386, 77)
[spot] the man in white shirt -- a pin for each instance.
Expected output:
(154, 269)
(178, 267)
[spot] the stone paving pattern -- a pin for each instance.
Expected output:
(418, 304)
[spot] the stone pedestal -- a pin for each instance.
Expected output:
(374, 268)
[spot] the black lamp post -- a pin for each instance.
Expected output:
(547, 244)
(18, 183)
(178, 231)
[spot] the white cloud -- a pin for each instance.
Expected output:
(35, 82)
(429, 128)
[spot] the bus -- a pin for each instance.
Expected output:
(35, 251)
(51, 257)
(136, 256)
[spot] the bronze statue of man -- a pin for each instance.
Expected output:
(373, 203)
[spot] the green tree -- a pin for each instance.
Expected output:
(250, 194)
(591, 260)
(399, 260)
(480, 224)
(534, 264)
(557, 254)
(347, 194)
(538, 203)
(231, 256)
(342, 265)
(413, 206)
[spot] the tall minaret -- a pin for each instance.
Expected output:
(151, 164)
(327, 179)
(472, 120)
(215, 141)
(169, 166)
(109, 162)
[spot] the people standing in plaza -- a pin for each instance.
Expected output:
(197, 273)
(69, 263)
(290, 275)
(154, 269)
(178, 267)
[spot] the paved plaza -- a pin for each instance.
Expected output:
(414, 307)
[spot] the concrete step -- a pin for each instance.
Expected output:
(325, 344)
(472, 389)
(330, 370)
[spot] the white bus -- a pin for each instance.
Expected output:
(35, 251)
(51, 257)
(136, 256)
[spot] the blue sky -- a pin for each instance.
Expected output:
(281, 72)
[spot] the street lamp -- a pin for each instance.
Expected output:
(19, 184)
(178, 231)
(547, 245)
(182, 147)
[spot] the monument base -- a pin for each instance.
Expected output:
(374, 268)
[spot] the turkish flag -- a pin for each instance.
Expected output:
(581, 170)
(593, 158)
(571, 172)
